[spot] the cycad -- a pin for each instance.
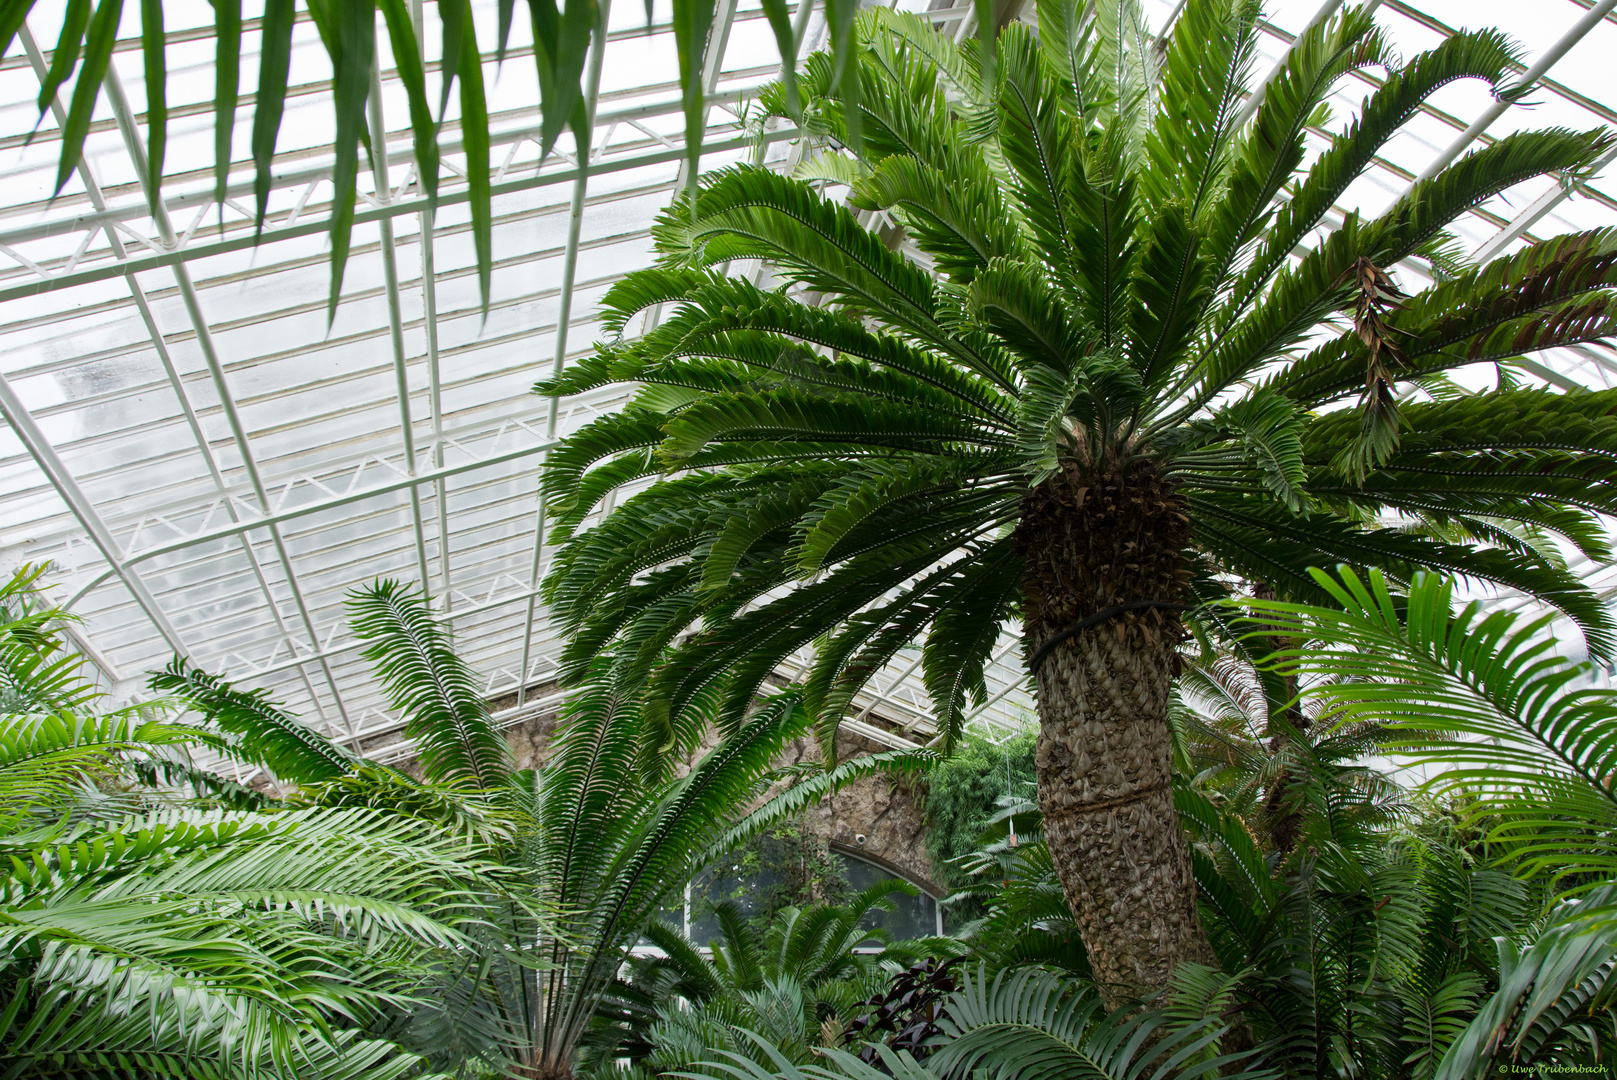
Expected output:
(145, 933)
(1100, 385)
(798, 979)
(1509, 729)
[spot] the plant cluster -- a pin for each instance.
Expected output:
(1085, 363)
(1049, 332)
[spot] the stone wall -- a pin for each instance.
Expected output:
(885, 810)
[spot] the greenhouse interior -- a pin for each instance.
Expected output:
(772, 540)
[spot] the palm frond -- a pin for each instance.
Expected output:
(1542, 1014)
(1481, 695)
(444, 709)
(1030, 1023)
(262, 732)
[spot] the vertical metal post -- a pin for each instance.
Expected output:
(395, 314)
(569, 267)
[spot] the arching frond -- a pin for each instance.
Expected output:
(1480, 695)
(445, 711)
(261, 731)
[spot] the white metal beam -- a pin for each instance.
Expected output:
(305, 509)
(113, 87)
(382, 187)
(564, 318)
(160, 346)
(44, 454)
(413, 205)
(1532, 213)
(1542, 65)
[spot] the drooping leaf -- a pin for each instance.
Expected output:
(275, 66)
(103, 31)
(227, 85)
(693, 22)
(65, 57)
(474, 128)
(352, 44)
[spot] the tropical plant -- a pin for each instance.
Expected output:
(904, 1016)
(615, 836)
(1482, 697)
(1079, 393)
(1011, 880)
(589, 848)
(1022, 1025)
(798, 979)
(965, 792)
(1521, 745)
(146, 933)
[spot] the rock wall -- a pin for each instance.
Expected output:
(885, 810)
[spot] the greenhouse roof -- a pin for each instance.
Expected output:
(210, 465)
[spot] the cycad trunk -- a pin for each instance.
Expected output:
(1093, 542)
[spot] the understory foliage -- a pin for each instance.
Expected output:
(964, 793)
(1449, 931)
(797, 979)
(159, 920)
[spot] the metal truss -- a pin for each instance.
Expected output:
(434, 463)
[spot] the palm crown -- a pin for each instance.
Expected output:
(1097, 386)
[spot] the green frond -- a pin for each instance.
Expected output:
(783, 415)
(959, 217)
(1513, 445)
(1072, 55)
(739, 305)
(877, 487)
(1018, 303)
(45, 757)
(911, 31)
(1482, 695)
(846, 660)
(1104, 220)
(262, 732)
(445, 712)
(1547, 991)
(1037, 139)
(1271, 546)
(1269, 154)
(747, 212)
(1029, 1023)
(1431, 205)
(36, 672)
(603, 437)
(782, 508)
(1170, 289)
(1483, 54)
(972, 610)
(1267, 430)
(1207, 67)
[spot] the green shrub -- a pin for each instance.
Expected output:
(961, 795)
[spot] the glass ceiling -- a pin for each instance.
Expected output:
(210, 467)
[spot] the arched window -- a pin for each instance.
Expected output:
(747, 887)
(912, 916)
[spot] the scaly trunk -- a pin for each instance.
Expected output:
(1104, 758)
